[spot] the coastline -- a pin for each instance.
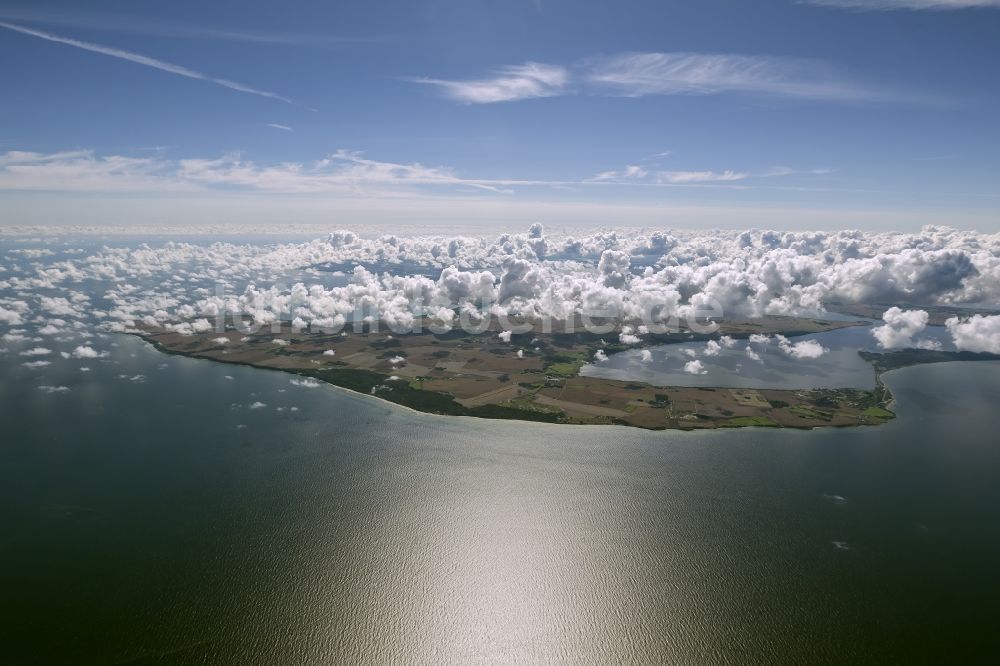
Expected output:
(548, 387)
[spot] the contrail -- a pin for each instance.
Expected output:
(144, 60)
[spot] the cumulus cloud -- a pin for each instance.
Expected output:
(806, 349)
(305, 382)
(712, 348)
(36, 351)
(639, 276)
(10, 317)
(900, 327)
(85, 351)
(976, 333)
(628, 336)
(646, 356)
(53, 389)
(695, 368)
(600, 356)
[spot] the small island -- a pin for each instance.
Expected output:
(531, 375)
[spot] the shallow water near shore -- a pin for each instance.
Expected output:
(183, 518)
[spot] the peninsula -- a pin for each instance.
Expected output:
(532, 375)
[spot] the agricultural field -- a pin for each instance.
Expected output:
(531, 375)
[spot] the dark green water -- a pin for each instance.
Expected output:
(142, 525)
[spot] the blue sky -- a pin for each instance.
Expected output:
(820, 113)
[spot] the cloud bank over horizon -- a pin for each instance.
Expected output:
(639, 275)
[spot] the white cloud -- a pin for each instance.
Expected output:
(805, 349)
(646, 356)
(257, 405)
(10, 317)
(752, 355)
(628, 336)
(887, 5)
(977, 333)
(629, 271)
(344, 172)
(681, 177)
(279, 126)
(53, 389)
(143, 60)
(600, 356)
(640, 74)
(305, 382)
(36, 364)
(507, 84)
(84, 351)
(695, 368)
(36, 351)
(900, 327)
(82, 171)
(159, 27)
(630, 172)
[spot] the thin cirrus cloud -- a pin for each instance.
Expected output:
(343, 172)
(642, 74)
(506, 84)
(681, 177)
(134, 25)
(346, 172)
(279, 126)
(639, 74)
(139, 59)
(634, 174)
(915, 5)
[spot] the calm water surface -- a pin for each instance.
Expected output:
(164, 520)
